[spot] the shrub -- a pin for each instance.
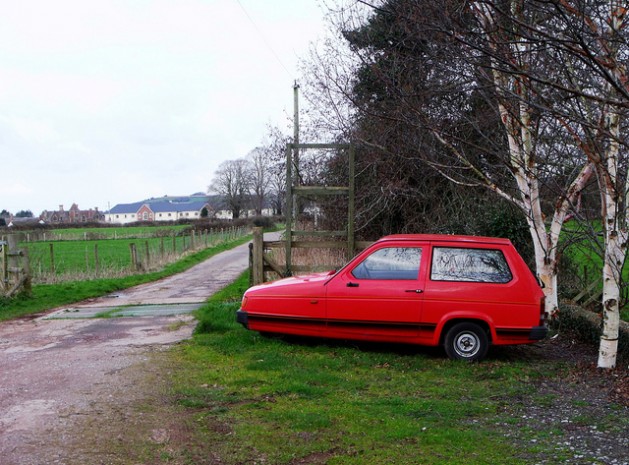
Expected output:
(587, 326)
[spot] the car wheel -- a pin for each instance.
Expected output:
(466, 341)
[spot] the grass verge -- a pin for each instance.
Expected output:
(47, 296)
(251, 399)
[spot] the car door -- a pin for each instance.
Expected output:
(379, 296)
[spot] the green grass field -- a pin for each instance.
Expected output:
(76, 259)
(121, 232)
(47, 296)
(81, 256)
(244, 398)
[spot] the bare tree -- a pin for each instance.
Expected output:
(232, 181)
(274, 146)
(260, 175)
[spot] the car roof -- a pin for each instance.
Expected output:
(445, 238)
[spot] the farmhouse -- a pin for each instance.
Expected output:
(73, 215)
(164, 209)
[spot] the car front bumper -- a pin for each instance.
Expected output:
(243, 318)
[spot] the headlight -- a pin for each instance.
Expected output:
(244, 301)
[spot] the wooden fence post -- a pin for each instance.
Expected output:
(96, 261)
(53, 269)
(18, 268)
(26, 270)
(258, 256)
(147, 255)
(134, 256)
(4, 272)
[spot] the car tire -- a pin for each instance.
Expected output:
(466, 341)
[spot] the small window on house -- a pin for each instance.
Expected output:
(469, 265)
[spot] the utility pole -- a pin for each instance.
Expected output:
(296, 172)
(292, 180)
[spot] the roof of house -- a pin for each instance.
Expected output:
(126, 208)
(195, 202)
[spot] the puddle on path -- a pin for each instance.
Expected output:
(114, 311)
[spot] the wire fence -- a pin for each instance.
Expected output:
(73, 259)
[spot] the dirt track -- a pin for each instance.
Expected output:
(61, 368)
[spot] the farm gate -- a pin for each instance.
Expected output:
(313, 239)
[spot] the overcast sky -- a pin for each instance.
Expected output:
(113, 101)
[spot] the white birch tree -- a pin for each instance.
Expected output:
(514, 90)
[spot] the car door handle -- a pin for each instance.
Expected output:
(416, 291)
(350, 284)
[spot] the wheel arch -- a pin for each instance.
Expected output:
(446, 325)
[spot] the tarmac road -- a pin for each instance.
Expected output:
(68, 365)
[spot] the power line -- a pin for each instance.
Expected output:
(263, 38)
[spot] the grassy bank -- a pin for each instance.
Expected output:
(245, 398)
(47, 296)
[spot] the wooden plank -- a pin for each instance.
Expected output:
(274, 265)
(319, 233)
(318, 245)
(257, 262)
(587, 290)
(274, 244)
(314, 269)
(319, 146)
(320, 190)
(359, 245)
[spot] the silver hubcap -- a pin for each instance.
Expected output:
(466, 344)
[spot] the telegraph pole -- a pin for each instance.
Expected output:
(296, 133)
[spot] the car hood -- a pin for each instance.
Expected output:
(313, 279)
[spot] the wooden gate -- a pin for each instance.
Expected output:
(294, 238)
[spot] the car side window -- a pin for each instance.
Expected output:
(470, 265)
(390, 263)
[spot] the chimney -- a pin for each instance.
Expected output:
(60, 208)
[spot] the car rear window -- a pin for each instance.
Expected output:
(469, 265)
(390, 263)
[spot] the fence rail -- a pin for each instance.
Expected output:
(68, 260)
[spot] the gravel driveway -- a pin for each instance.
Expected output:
(63, 367)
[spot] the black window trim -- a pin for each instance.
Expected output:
(432, 256)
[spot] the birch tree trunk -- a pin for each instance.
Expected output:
(614, 220)
(615, 246)
(516, 117)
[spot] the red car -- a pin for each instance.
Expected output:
(462, 292)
